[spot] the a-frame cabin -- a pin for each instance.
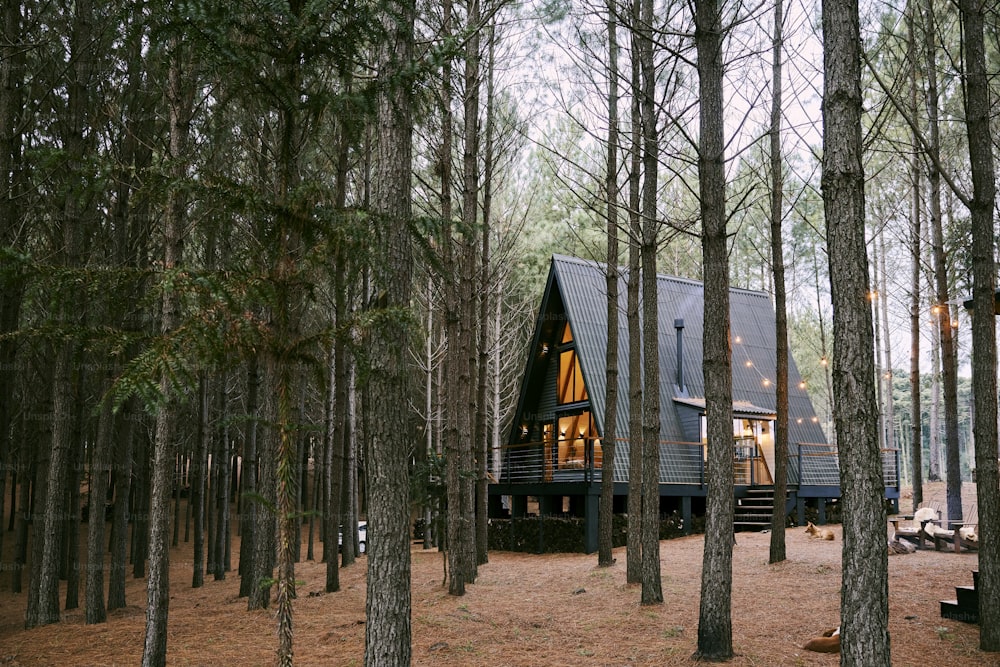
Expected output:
(553, 453)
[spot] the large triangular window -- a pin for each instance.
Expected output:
(571, 388)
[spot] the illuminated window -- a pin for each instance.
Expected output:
(567, 336)
(571, 387)
(575, 433)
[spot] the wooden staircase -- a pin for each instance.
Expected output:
(754, 511)
(965, 606)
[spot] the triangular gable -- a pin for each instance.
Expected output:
(576, 292)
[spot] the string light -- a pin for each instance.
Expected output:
(766, 381)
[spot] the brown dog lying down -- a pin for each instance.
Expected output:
(819, 533)
(828, 643)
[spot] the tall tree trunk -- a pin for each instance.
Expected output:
(482, 440)
(75, 139)
(218, 564)
(864, 609)
(887, 376)
(389, 433)
(652, 590)
(180, 97)
(122, 470)
(139, 542)
(248, 480)
(778, 512)
(265, 528)
(606, 510)
(70, 558)
(11, 286)
(26, 475)
(199, 482)
(42, 438)
(984, 344)
(916, 211)
(934, 467)
(453, 407)
(353, 433)
(469, 296)
(949, 356)
(777, 546)
(100, 468)
(338, 430)
(715, 629)
(634, 547)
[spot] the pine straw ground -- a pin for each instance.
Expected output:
(530, 611)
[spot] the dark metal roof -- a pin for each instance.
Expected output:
(740, 408)
(581, 286)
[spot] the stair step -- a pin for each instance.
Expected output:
(968, 597)
(952, 610)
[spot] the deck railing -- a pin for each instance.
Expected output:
(680, 463)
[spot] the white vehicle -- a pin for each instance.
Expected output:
(362, 537)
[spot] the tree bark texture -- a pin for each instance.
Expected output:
(778, 514)
(248, 479)
(916, 224)
(634, 539)
(154, 652)
(864, 611)
(199, 486)
(100, 469)
(12, 285)
(942, 310)
(73, 217)
(715, 632)
(119, 519)
(606, 509)
(652, 589)
(984, 344)
(389, 433)
(469, 296)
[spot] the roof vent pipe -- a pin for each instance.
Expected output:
(679, 326)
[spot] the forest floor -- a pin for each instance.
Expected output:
(530, 610)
